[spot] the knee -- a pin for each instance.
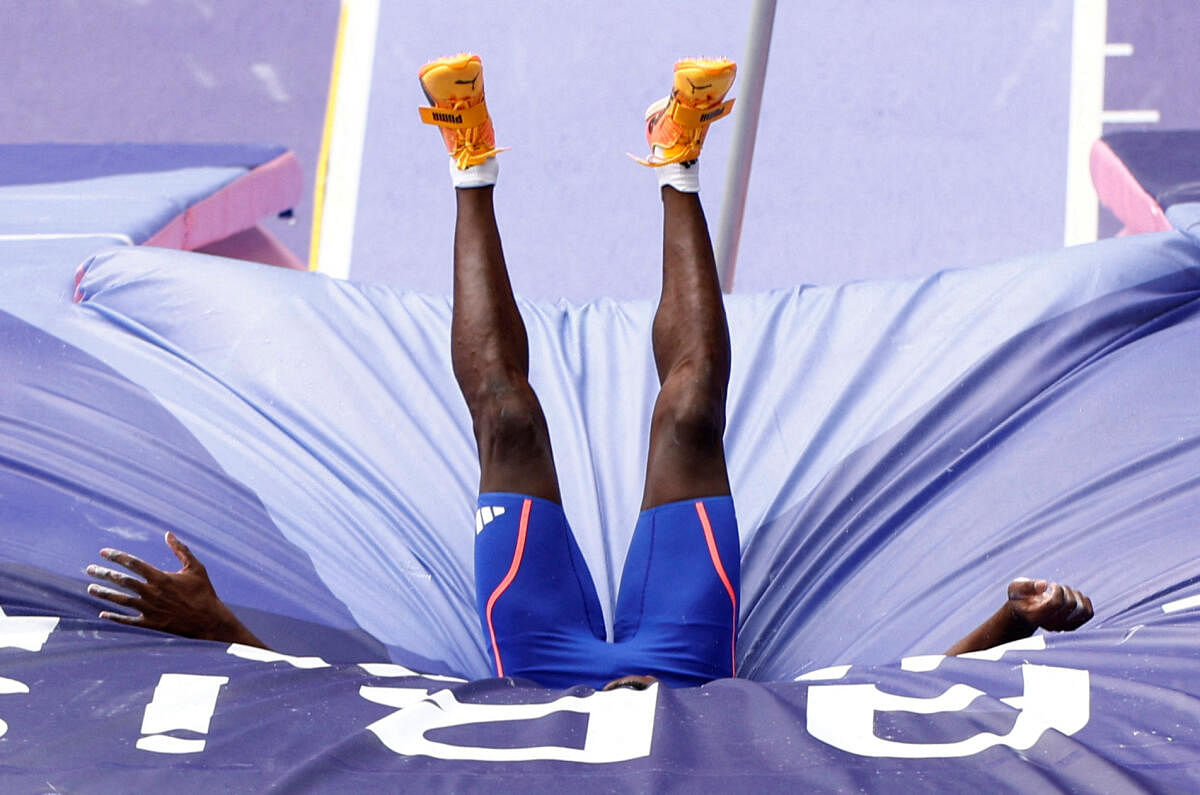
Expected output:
(508, 421)
(691, 409)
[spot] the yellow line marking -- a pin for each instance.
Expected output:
(314, 245)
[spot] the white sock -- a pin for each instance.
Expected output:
(478, 176)
(683, 177)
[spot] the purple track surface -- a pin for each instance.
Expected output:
(162, 71)
(878, 154)
(942, 128)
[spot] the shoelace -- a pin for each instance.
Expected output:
(469, 150)
(692, 139)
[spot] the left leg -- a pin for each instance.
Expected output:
(680, 586)
(690, 337)
(679, 589)
(534, 594)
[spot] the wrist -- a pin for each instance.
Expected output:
(1016, 624)
(224, 626)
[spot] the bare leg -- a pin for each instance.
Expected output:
(490, 353)
(691, 351)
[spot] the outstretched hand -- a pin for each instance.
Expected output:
(1049, 605)
(182, 602)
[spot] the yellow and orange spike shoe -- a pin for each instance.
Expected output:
(454, 88)
(676, 125)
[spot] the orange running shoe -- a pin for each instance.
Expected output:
(454, 87)
(676, 125)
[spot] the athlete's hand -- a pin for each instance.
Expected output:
(1049, 605)
(1030, 604)
(182, 602)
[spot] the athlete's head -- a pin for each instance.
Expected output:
(632, 681)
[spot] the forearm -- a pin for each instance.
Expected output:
(1002, 627)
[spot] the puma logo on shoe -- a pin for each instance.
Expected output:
(448, 118)
(652, 121)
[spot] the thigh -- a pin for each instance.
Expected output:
(533, 590)
(678, 599)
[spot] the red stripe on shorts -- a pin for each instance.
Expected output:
(716, 560)
(508, 578)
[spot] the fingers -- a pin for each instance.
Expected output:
(1075, 604)
(1070, 606)
(125, 600)
(121, 618)
(1060, 608)
(136, 565)
(1081, 611)
(116, 578)
(1022, 587)
(108, 594)
(117, 597)
(1050, 605)
(1060, 603)
(181, 551)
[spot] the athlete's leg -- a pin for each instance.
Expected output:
(677, 606)
(488, 346)
(691, 341)
(490, 354)
(691, 351)
(680, 586)
(534, 594)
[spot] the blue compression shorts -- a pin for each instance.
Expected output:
(676, 615)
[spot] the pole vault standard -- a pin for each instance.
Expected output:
(745, 128)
